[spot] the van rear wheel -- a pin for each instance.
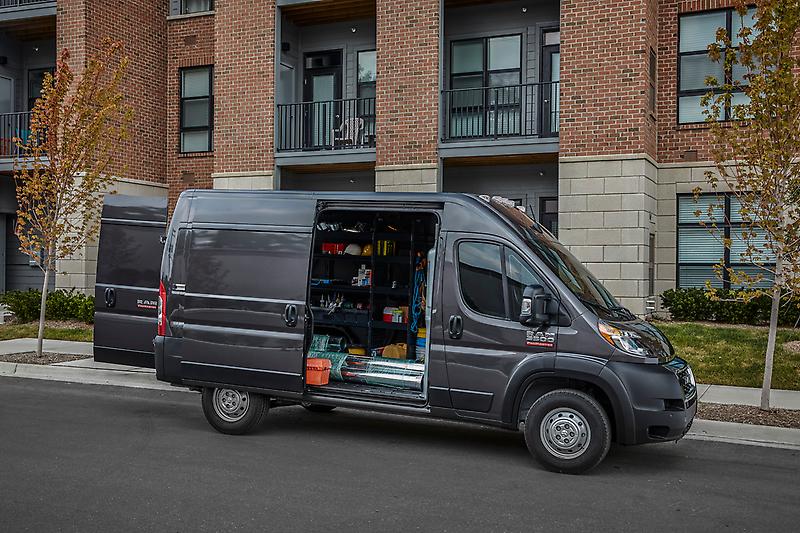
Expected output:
(232, 411)
(567, 431)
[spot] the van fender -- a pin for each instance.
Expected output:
(591, 370)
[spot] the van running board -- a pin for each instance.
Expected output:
(365, 392)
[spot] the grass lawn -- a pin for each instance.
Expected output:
(734, 355)
(62, 331)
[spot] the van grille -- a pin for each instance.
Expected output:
(685, 378)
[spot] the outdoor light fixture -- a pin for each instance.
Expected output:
(524, 9)
(353, 29)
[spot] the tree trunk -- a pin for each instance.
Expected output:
(773, 334)
(40, 338)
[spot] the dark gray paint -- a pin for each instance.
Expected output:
(126, 290)
(235, 261)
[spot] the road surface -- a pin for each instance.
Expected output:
(96, 458)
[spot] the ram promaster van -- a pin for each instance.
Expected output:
(440, 305)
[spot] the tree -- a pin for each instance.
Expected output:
(755, 153)
(60, 172)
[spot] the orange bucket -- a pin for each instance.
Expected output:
(318, 371)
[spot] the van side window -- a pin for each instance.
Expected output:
(480, 271)
(518, 276)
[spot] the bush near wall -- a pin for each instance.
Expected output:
(695, 304)
(61, 305)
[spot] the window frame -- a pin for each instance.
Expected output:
(505, 249)
(726, 227)
(209, 129)
(366, 112)
(31, 100)
(183, 10)
(728, 73)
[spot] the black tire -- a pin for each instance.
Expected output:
(318, 407)
(230, 417)
(554, 431)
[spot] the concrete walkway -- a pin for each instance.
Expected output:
(783, 399)
(62, 347)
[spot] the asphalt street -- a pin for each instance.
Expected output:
(97, 458)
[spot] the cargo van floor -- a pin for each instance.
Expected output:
(361, 391)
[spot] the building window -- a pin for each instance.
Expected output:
(197, 109)
(367, 68)
(196, 6)
(35, 81)
(485, 78)
(697, 31)
(700, 245)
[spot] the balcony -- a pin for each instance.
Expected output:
(13, 125)
(26, 9)
(343, 124)
(525, 110)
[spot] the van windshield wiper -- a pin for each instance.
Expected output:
(617, 311)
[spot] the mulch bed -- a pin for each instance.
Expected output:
(747, 414)
(47, 358)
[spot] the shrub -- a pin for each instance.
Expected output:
(61, 305)
(729, 308)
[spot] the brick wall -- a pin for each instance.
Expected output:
(141, 26)
(407, 100)
(604, 53)
(244, 86)
(190, 44)
(686, 142)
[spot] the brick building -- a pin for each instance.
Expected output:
(587, 113)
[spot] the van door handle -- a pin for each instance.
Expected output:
(110, 297)
(455, 327)
(290, 315)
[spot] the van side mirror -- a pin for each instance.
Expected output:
(534, 306)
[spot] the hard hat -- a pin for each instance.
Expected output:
(353, 249)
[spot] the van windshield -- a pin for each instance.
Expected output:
(562, 263)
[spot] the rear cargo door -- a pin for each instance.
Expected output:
(246, 284)
(126, 290)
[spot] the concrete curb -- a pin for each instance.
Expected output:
(89, 376)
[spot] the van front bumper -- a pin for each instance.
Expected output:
(663, 400)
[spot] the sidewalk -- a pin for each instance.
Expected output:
(62, 347)
(782, 399)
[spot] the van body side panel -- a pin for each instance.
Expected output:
(239, 285)
(438, 383)
(126, 289)
(490, 349)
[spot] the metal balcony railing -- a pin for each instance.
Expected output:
(525, 110)
(21, 3)
(326, 125)
(13, 125)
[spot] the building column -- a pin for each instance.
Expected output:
(244, 94)
(607, 141)
(607, 212)
(407, 95)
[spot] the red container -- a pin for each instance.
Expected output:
(318, 371)
(333, 248)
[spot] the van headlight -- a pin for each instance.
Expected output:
(623, 339)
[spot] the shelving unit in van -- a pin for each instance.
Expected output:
(380, 293)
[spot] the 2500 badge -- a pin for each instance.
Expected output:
(544, 339)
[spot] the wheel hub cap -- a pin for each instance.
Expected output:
(230, 404)
(565, 433)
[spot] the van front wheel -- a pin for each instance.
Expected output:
(232, 411)
(567, 431)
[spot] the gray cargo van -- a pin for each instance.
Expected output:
(439, 305)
